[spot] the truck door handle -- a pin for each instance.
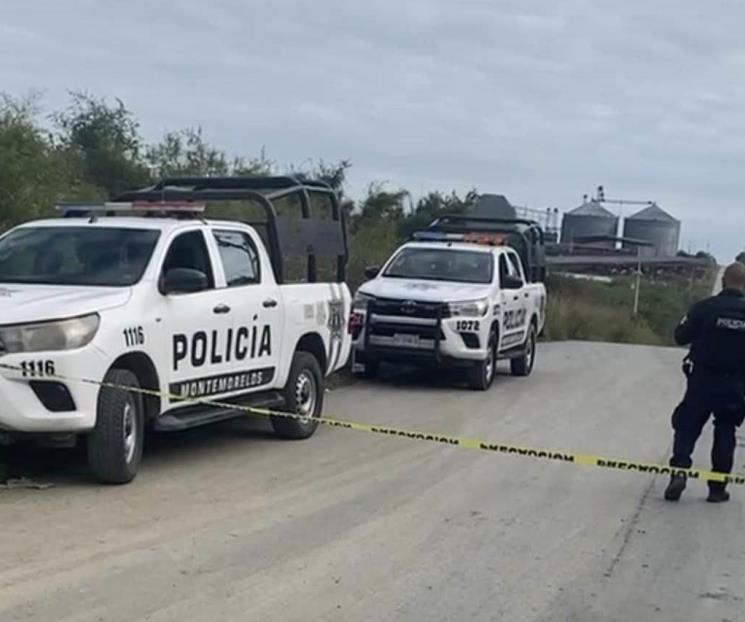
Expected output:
(526, 294)
(221, 308)
(270, 303)
(516, 298)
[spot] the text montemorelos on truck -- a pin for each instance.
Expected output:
(143, 293)
(467, 291)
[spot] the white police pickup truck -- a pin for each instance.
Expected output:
(144, 294)
(465, 292)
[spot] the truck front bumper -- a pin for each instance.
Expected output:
(32, 402)
(435, 340)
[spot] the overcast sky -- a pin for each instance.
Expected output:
(538, 100)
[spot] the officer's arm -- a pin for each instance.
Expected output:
(689, 327)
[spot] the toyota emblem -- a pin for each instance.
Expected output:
(408, 307)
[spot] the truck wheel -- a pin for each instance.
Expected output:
(303, 396)
(481, 375)
(115, 444)
(523, 365)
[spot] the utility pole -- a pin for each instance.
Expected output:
(638, 280)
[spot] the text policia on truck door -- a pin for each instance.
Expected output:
(213, 348)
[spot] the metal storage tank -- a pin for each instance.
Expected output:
(590, 219)
(656, 226)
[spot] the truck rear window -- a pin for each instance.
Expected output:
(435, 264)
(97, 256)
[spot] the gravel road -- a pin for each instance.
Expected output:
(228, 523)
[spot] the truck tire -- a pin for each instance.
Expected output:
(481, 375)
(115, 444)
(523, 365)
(303, 395)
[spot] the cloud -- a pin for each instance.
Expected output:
(539, 100)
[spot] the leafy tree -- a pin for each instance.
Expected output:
(708, 256)
(434, 205)
(107, 142)
(380, 205)
(334, 174)
(33, 174)
(186, 153)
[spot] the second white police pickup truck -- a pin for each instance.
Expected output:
(143, 294)
(458, 294)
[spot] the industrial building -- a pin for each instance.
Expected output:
(593, 230)
(594, 240)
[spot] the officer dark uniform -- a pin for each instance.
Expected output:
(715, 367)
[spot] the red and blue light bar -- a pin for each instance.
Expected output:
(170, 207)
(474, 237)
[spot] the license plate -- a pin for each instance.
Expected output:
(407, 341)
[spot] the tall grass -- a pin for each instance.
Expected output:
(573, 318)
(595, 311)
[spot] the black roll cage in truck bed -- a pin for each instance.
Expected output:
(524, 236)
(309, 236)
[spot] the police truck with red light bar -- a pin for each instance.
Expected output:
(465, 292)
(160, 310)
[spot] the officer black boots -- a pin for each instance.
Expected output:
(717, 490)
(676, 487)
(717, 493)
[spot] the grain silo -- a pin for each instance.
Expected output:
(590, 223)
(656, 226)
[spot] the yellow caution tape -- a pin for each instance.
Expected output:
(567, 457)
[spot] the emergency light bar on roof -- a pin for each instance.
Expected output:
(183, 207)
(486, 239)
(127, 207)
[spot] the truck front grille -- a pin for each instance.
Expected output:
(411, 308)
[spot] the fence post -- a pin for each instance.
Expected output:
(638, 280)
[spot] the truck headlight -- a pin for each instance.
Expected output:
(48, 336)
(360, 301)
(469, 308)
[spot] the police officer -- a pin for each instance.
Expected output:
(715, 367)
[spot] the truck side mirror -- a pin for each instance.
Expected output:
(184, 281)
(371, 272)
(512, 282)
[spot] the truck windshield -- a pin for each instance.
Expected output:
(441, 264)
(98, 256)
